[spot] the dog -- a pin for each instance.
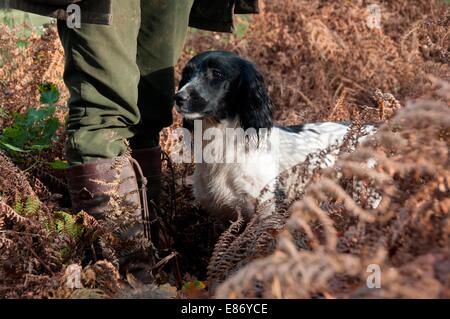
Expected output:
(225, 91)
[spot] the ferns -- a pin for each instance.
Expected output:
(29, 208)
(35, 130)
(53, 237)
(65, 223)
(18, 207)
(407, 231)
(32, 206)
(8, 213)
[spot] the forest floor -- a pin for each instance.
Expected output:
(322, 60)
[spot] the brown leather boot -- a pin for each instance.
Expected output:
(108, 190)
(149, 160)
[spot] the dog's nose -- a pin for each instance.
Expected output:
(181, 97)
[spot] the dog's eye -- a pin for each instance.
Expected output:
(217, 75)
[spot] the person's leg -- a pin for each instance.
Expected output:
(161, 38)
(164, 25)
(102, 76)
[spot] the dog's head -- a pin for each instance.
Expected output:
(222, 86)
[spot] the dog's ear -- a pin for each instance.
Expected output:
(254, 106)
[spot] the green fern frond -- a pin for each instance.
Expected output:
(18, 207)
(32, 206)
(66, 224)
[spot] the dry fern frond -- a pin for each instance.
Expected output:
(411, 223)
(7, 213)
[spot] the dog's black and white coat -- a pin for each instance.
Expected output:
(226, 91)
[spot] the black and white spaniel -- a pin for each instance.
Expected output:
(227, 92)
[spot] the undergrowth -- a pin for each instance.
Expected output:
(321, 62)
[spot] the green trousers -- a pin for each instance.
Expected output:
(121, 77)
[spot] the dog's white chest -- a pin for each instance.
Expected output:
(221, 187)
